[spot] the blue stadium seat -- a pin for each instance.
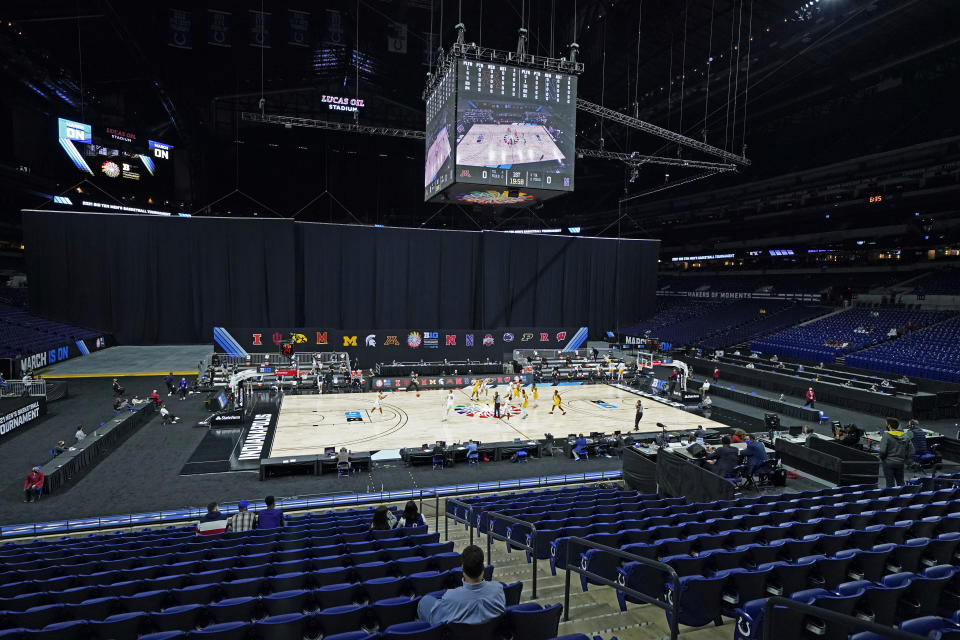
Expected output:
(413, 631)
(341, 619)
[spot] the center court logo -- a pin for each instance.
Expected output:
(484, 411)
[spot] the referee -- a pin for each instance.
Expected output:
(638, 417)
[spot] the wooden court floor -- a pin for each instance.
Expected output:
(310, 423)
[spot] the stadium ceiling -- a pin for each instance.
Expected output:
(828, 81)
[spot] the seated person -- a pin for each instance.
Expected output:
(738, 435)
(850, 436)
(383, 519)
(80, 434)
(724, 458)
(411, 516)
(343, 460)
(579, 447)
(155, 398)
(59, 448)
(755, 453)
(808, 434)
(33, 485)
(472, 453)
(919, 437)
(213, 522)
(166, 417)
(477, 601)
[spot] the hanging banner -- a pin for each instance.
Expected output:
(298, 28)
(260, 29)
(218, 28)
(181, 29)
(397, 38)
(333, 29)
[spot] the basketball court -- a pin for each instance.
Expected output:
(488, 145)
(309, 423)
(437, 154)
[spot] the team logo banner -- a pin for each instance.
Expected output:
(429, 344)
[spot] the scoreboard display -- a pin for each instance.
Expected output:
(506, 127)
(117, 156)
(441, 110)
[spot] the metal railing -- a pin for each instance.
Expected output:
(34, 388)
(491, 536)
(670, 605)
(448, 516)
(436, 506)
(850, 622)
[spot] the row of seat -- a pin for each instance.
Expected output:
(188, 550)
(896, 597)
(926, 626)
(322, 571)
(908, 551)
(739, 529)
(475, 511)
(529, 621)
(227, 606)
(329, 520)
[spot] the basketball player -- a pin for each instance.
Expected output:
(414, 383)
(556, 403)
(485, 388)
(376, 403)
(620, 371)
(516, 390)
(534, 393)
(449, 405)
(525, 403)
(475, 391)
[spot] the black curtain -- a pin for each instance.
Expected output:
(150, 279)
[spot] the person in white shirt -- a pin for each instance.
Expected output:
(80, 435)
(166, 417)
(448, 406)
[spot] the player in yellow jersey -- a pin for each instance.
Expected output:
(526, 400)
(533, 390)
(516, 390)
(556, 403)
(475, 392)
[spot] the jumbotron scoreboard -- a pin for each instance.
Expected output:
(500, 134)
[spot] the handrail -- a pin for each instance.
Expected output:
(850, 622)
(670, 606)
(493, 515)
(436, 506)
(448, 516)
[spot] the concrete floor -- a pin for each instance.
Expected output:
(133, 361)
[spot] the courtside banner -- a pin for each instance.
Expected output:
(257, 437)
(370, 346)
(18, 414)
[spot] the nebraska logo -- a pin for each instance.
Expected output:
(451, 340)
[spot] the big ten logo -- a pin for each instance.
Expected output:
(349, 341)
(353, 416)
(58, 354)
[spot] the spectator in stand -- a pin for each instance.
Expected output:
(33, 485)
(155, 398)
(411, 516)
(270, 518)
(808, 434)
(242, 520)
(895, 449)
(704, 389)
(850, 436)
(80, 435)
(169, 381)
(477, 601)
(716, 374)
(738, 435)
(4, 387)
(383, 519)
(811, 398)
(213, 522)
(182, 388)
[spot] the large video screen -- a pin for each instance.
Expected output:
(114, 155)
(516, 127)
(441, 112)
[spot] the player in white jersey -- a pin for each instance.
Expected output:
(485, 388)
(448, 406)
(376, 403)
